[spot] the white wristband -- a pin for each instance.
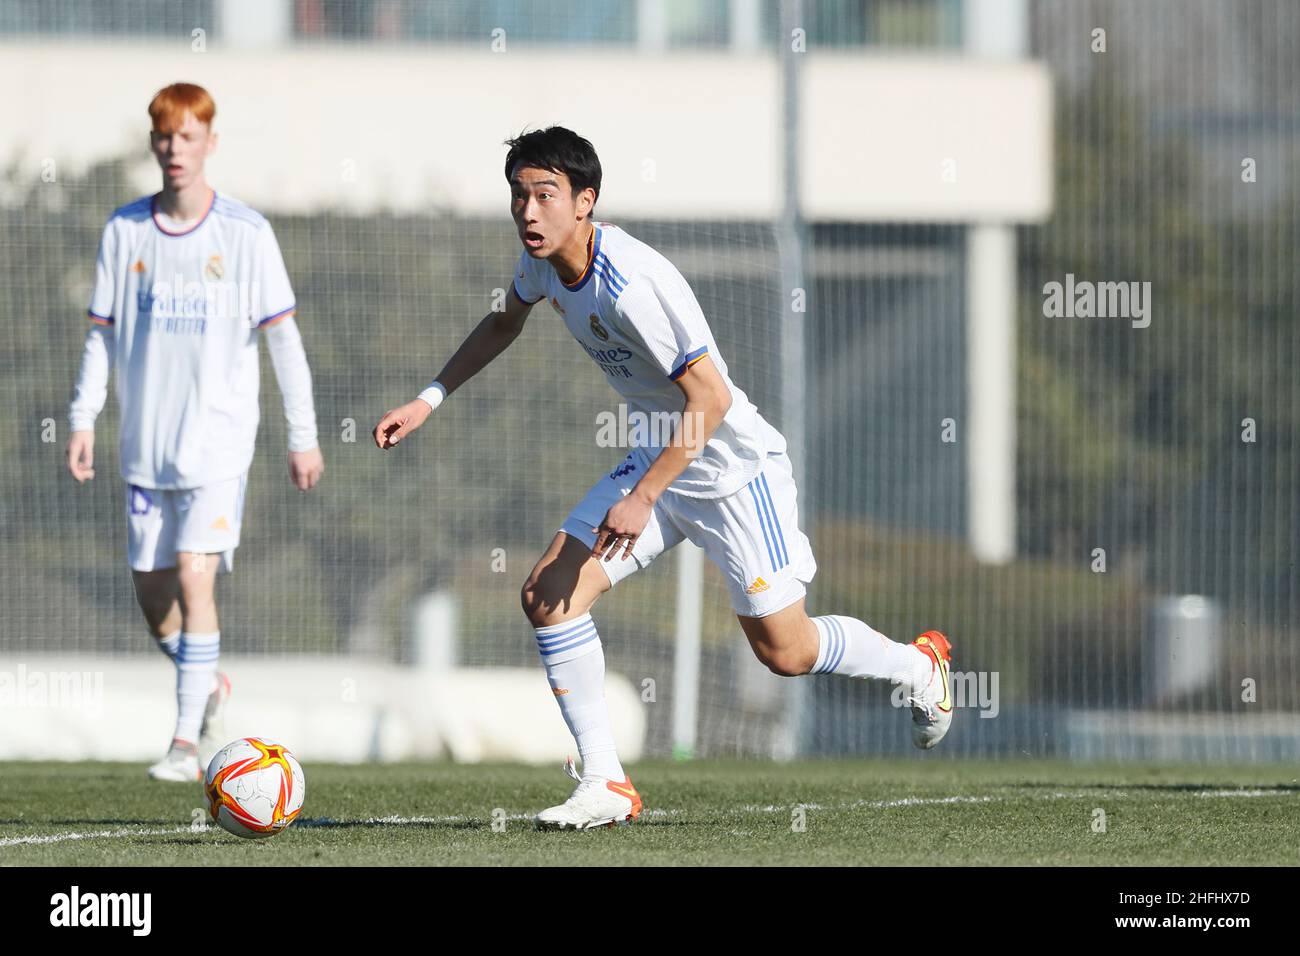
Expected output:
(434, 394)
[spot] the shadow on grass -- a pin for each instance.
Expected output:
(1160, 787)
(470, 824)
(82, 822)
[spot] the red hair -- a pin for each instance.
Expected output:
(171, 103)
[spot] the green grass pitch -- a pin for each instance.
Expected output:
(904, 812)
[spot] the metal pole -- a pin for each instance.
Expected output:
(686, 650)
(791, 241)
(994, 29)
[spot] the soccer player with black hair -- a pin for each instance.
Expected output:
(723, 480)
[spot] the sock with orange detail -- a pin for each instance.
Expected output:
(575, 667)
(854, 649)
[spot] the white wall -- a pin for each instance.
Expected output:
(71, 707)
(680, 135)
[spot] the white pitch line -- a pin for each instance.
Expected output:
(315, 822)
(873, 804)
(931, 801)
(103, 834)
(309, 823)
(312, 822)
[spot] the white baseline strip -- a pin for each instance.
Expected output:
(326, 822)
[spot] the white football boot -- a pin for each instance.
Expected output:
(597, 802)
(931, 702)
(212, 733)
(181, 765)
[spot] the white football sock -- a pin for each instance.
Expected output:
(196, 666)
(853, 649)
(170, 645)
(575, 666)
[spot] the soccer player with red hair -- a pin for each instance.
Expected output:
(187, 283)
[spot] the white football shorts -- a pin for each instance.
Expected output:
(752, 535)
(160, 523)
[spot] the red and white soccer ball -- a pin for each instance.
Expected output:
(254, 787)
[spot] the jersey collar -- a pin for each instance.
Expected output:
(593, 250)
(153, 215)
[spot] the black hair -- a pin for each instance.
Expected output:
(559, 150)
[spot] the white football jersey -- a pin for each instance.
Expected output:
(186, 309)
(635, 315)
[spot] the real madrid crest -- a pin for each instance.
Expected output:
(214, 270)
(597, 329)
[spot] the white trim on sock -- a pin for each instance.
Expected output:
(852, 648)
(557, 643)
(170, 645)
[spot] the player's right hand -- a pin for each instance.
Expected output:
(400, 422)
(81, 455)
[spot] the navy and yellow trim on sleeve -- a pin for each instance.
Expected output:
(99, 319)
(691, 359)
(514, 287)
(276, 317)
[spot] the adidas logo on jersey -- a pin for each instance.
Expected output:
(758, 585)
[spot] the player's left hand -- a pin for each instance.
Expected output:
(622, 526)
(305, 468)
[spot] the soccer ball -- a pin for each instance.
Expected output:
(255, 788)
